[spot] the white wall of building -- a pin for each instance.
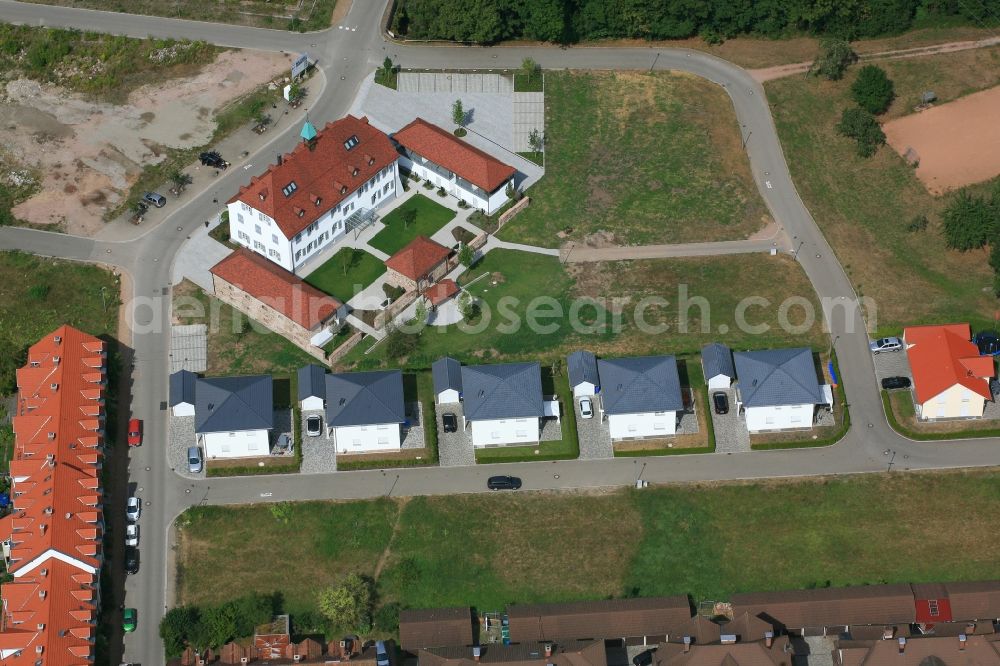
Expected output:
(645, 424)
(496, 432)
(312, 402)
(448, 395)
(779, 418)
(182, 409)
(584, 388)
(367, 438)
(719, 382)
(489, 203)
(497, 200)
(239, 444)
(954, 403)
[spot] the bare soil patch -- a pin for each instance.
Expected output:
(957, 144)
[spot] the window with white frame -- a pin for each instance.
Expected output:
(274, 239)
(243, 236)
(239, 217)
(275, 254)
(256, 228)
(257, 245)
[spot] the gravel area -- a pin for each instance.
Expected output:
(595, 438)
(731, 434)
(319, 455)
(180, 437)
(413, 438)
(454, 448)
(687, 423)
(551, 430)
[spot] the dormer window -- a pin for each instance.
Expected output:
(353, 170)
(351, 142)
(289, 189)
(343, 189)
(299, 211)
(316, 199)
(369, 159)
(263, 195)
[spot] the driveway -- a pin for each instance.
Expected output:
(731, 434)
(892, 364)
(595, 438)
(454, 448)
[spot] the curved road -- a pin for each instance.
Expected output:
(345, 58)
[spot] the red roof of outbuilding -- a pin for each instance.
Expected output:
(326, 171)
(272, 285)
(418, 258)
(942, 356)
(447, 150)
(441, 292)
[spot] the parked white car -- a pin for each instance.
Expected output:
(132, 509)
(132, 535)
(586, 408)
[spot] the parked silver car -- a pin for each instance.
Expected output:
(194, 460)
(885, 345)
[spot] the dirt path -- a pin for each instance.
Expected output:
(401, 503)
(781, 71)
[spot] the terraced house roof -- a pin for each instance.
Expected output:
(55, 532)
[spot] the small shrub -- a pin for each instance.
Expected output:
(392, 292)
(462, 204)
(918, 223)
(387, 619)
(441, 191)
(282, 512)
(38, 292)
(428, 185)
(873, 89)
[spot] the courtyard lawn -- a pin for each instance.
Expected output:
(237, 345)
(489, 550)
(431, 216)
(636, 159)
(864, 206)
(346, 273)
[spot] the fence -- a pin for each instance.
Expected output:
(342, 350)
(397, 306)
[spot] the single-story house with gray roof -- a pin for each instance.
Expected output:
(640, 396)
(365, 411)
(182, 393)
(503, 403)
(717, 363)
(312, 387)
(583, 376)
(778, 389)
(446, 374)
(233, 416)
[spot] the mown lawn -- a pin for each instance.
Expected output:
(864, 206)
(431, 216)
(38, 295)
(710, 541)
(702, 298)
(639, 158)
(346, 273)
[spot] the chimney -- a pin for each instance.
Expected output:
(902, 644)
(768, 639)
(962, 639)
(476, 651)
(687, 643)
(888, 633)
(548, 650)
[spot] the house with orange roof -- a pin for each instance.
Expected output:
(418, 265)
(328, 185)
(464, 171)
(950, 378)
(52, 538)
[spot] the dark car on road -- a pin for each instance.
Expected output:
(503, 483)
(889, 383)
(988, 343)
(721, 402)
(450, 422)
(131, 560)
(213, 159)
(644, 658)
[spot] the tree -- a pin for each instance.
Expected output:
(349, 604)
(466, 256)
(387, 66)
(296, 92)
(174, 629)
(862, 126)
(968, 222)
(409, 216)
(262, 119)
(536, 140)
(834, 59)
(179, 179)
(420, 312)
(458, 113)
(530, 69)
(873, 89)
(219, 624)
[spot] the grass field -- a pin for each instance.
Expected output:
(431, 216)
(722, 282)
(237, 345)
(639, 158)
(362, 269)
(38, 295)
(490, 550)
(864, 206)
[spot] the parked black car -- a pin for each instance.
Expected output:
(131, 560)
(450, 422)
(213, 159)
(645, 658)
(988, 343)
(889, 383)
(721, 402)
(503, 483)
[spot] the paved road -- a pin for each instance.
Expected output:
(574, 254)
(345, 57)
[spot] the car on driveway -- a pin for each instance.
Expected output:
(450, 422)
(194, 460)
(132, 535)
(644, 658)
(988, 343)
(885, 345)
(721, 403)
(890, 383)
(135, 432)
(314, 425)
(213, 159)
(586, 408)
(129, 619)
(155, 198)
(503, 483)
(131, 560)
(132, 509)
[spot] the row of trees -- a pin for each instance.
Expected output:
(971, 222)
(872, 91)
(567, 21)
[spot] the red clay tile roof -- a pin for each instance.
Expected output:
(418, 258)
(441, 292)
(54, 528)
(942, 356)
(277, 288)
(447, 150)
(327, 171)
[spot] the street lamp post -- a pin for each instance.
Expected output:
(795, 255)
(746, 138)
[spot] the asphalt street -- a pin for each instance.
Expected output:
(345, 58)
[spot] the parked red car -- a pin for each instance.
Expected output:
(135, 432)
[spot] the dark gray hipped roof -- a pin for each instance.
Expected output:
(364, 398)
(225, 404)
(447, 374)
(778, 377)
(717, 359)
(582, 366)
(182, 387)
(506, 391)
(640, 384)
(312, 382)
